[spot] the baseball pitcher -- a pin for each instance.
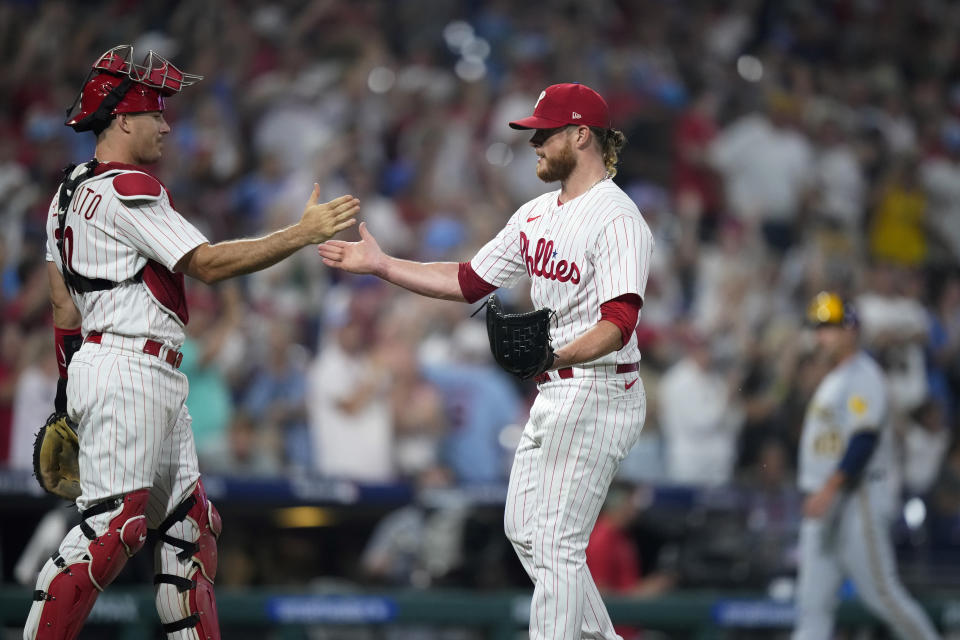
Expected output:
(587, 251)
(846, 463)
(117, 250)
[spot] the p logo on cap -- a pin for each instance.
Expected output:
(543, 94)
(563, 104)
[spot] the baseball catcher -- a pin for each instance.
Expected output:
(117, 252)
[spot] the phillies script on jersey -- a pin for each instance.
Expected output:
(542, 263)
(578, 255)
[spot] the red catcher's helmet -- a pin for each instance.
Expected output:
(116, 85)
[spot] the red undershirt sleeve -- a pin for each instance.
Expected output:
(66, 341)
(622, 311)
(472, 286)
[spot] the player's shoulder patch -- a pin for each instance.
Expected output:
(857, 405)
(133, 185)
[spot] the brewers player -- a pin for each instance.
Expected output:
(117, 251)
(846, 460)
(587, 250)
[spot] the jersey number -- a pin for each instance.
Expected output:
(828, 444)
(66, 251)
(66, 247)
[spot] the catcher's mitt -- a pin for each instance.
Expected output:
(520, 342)
(56, 462)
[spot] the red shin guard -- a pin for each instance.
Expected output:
(73, 587)
(193, 591)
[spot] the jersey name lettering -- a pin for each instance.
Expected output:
(91, 208)
(540, 264)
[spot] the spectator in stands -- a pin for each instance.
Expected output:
(11, 341)
(767, 165)
(349, 402)
(924, 440)
(698, 418)
(480, 402)
(696, 186)
(613, 556)
(419, 422)
(246, 450)
(420, 543)
(36, 387)
(898, 225)
(774, 507)
(839, 188)
(895, 326)
(945, 342)
(940, 176)
(206, 358)
(275, 398)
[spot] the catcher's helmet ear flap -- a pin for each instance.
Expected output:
(116, 85)
(829, 309)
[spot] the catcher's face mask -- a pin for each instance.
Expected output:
(116, 84)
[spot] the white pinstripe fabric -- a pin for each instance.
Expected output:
(115, 243)
(133, 426)
(580, 254)
(601, 232)
(578, 432)
(134, 429)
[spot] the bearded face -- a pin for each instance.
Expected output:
(557, 161)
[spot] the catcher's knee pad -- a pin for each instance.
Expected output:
(186, 559)
(69, 584)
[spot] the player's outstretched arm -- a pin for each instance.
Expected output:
(319, 223)
(432, 279)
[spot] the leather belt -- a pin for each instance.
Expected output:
(150, 347)
(567, 372)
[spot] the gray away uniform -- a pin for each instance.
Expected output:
(853, 538)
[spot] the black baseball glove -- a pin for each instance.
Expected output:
(520, 342)
(56, 457)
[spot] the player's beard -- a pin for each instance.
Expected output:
(559, 167)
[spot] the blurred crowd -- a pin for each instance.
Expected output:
(774, 148)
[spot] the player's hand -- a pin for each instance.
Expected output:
(818, 504)
(356, 257)
(320, 222)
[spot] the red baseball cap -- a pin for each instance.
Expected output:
(569, 103)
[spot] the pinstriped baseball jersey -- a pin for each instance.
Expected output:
(128, 404)
(579, 254)
(111, 233)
